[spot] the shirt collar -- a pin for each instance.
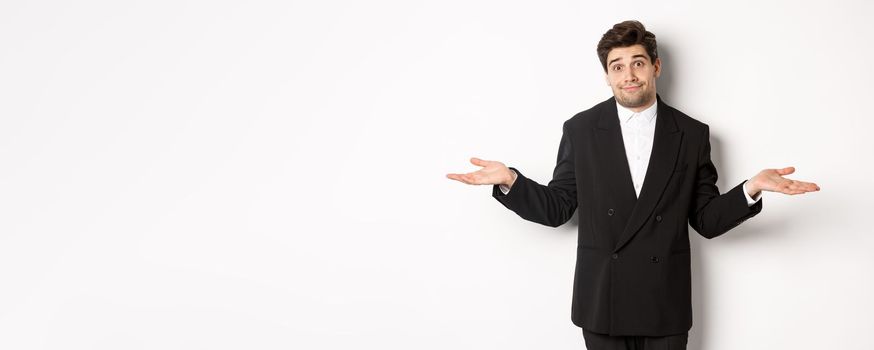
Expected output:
(625, 113)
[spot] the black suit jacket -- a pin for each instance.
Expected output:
(632, 273)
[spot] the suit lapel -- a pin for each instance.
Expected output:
(612, 158)
(665, 149)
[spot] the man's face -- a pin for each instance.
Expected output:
(632, 76)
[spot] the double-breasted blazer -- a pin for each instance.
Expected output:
(632, 274)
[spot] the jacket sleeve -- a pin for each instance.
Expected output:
(550, 205)
(710, 213)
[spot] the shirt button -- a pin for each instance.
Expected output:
(610, 212)
(615, 256)
(659, 218)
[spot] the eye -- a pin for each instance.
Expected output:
(638, 64)
(617, 68)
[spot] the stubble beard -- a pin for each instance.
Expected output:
(634, 100)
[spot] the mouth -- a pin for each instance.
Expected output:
(631, 88)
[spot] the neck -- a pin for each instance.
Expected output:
(642, 108)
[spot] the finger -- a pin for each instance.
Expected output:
(786, 170)
(468, 180)
(793, 187)
(810, 186)
(465, 178)
(805, 186)
(791, 192)
(456, 177)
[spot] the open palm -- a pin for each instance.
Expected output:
(773, 180)
(492, 173)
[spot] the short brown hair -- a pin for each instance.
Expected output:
(627, 34)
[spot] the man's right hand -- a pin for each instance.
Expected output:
(492, 173)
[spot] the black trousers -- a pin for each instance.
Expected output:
(597, 341)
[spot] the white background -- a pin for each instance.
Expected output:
(271, 175)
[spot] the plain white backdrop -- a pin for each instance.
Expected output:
(271, 175)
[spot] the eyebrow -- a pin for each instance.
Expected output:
(619, 58)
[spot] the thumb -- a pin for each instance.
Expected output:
(786, 171)
(477, 161)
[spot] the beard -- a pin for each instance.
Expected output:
(634, 100)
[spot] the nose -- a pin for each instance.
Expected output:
(630, 76)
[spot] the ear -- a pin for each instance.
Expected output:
(658, 67)
(607, 79)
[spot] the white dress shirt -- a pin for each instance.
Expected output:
(638, 130)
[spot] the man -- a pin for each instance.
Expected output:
(637, 170)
